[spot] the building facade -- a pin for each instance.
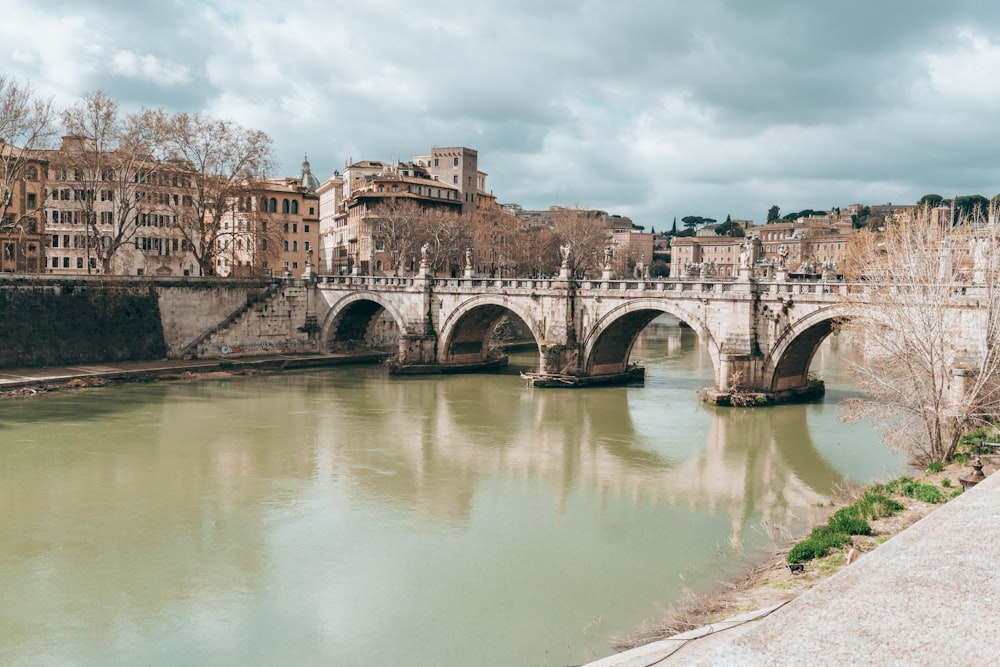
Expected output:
(22, 222)
(273, 230)
(447, 180)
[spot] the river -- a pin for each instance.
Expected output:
(342, 517)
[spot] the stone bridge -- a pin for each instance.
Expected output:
(760, 334)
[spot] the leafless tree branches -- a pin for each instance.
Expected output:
(927, 328)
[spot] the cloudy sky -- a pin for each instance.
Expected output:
(646, 108)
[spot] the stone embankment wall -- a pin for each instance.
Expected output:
(270, 325)
(64, 323)
(50, 320)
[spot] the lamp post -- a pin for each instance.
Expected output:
(969, 481)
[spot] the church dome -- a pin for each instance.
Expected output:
(309, 182)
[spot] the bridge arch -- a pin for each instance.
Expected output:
(786, 367)
(349, 324)
(607, 345)
(464, 335)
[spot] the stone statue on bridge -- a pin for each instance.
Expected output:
(830, 270)
(748, 254)
(607, 258)
(468, 258)
(565, 250)
(782, 255)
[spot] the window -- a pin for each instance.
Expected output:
(263, 225)
(295, 265)
(454, 179)
(286, 246)
(263, 244)
(295, 246)
(435, 162)
(455, 163)
(55, 240)
(284, 206)
(295, 228)
(65, 240)
(79, 262)
(32, 200)
(31, 173)
(272, 206)
(65, 262)
(310, 210)
(55, 262)
(305, 228)
(295, 206)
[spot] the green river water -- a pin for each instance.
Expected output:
(342, 517)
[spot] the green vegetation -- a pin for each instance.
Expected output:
(692, 222)
(874, 503)
(935, 466)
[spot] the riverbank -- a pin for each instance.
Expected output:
(770, 584)
(26, 382)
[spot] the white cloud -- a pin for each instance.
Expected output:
(149, 68)
(650, 109)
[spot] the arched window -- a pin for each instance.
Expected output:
(284, 206)
(272, 205)
(295, 206)
(263, 204)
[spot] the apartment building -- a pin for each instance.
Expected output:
(22, 228)
(801, 247)
(273, 230)
(447, 180)
(115, 217)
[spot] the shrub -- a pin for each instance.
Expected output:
(876, 504)
(929, 493)
(935, 466)
(946, 483)
(956, 493)
(849, 522)
(805, 550)
(908, 487)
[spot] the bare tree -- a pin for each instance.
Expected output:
(224, 161)
(113, 166)
(928, 328)
(26, 125)
(500, 243)
(395, 226)
(587, 234)
(447, 234)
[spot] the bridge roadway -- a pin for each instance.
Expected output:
(759, 334)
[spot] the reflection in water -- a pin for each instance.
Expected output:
(338, 517)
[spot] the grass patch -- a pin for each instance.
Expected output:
(876, 502)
